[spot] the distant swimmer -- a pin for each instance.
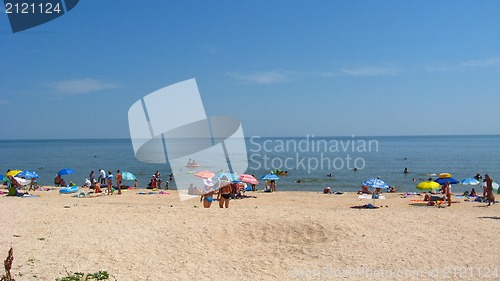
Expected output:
(406, 171)
(478, 176)
(329, 175)
(355, 169)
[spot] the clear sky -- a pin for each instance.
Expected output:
(284, 68)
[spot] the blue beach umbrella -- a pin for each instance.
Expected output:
(65, 171)
(128, 176)
(470, 181)
(442, 181)
(270, 177)
(375, 183)
(229, 176)
(28, 175)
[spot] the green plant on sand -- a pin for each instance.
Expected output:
(79, 276)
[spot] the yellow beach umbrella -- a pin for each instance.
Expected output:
(428, 185)
(13, 173)
(445, 175)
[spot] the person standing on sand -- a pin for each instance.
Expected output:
(102, 176)
(110, 183)
(119, 181)
(158, 180)
(273, 186)
(489, 189)
(224, 192)
(91, 178)
(447, 189)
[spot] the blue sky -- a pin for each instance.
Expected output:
(284, 68)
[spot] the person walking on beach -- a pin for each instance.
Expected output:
(489, 189)
(110, 183)
(102, 176)
(119, 181)
(207, 193)
(224, 193)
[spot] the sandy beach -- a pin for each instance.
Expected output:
(275, 236)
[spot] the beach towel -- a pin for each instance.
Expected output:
(369, 196)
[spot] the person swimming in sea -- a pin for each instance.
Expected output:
(406, 171)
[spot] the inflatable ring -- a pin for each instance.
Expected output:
(445, 175)
(69, 189)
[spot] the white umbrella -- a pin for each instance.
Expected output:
(494, 185)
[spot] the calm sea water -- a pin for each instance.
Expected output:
(308, 159)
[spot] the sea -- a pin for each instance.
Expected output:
(311, 162)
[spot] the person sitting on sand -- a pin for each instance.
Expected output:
(327, 190)
(193, 190)
(427, 197)
(12, 185)
(364, 190)
(97, 187)
(58, 181)
(473, 193)
(224, 192)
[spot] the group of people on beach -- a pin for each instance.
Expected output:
(105, 180)
(224, 192)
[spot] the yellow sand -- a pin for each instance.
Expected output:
(278, 236)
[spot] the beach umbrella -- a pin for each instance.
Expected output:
(22, 181)
(494, 185)
(270, 177)
(13, 173)
(442, 181)
(248, 179)
(28, 175)
(428, 185)
(229, 176)
(205, 174)
(65, 171)
(128, 176)
(470, 181)
(375, 183)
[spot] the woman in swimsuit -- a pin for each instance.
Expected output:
(207, 193)
(225, 193)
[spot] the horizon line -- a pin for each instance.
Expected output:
(271, 137)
